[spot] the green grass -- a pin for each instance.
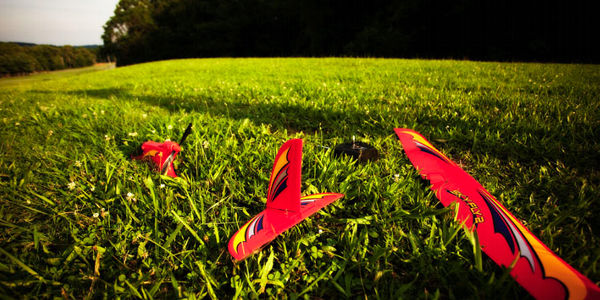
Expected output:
(528, 132)
(44, 76)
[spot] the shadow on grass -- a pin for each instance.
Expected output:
(345, 123)
(291, 117)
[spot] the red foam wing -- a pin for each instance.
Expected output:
(502, 237)
(285, 207)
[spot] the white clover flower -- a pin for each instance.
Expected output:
(320, 231)
(71, 185)
(132, 133)
(396, 177)
(170, 127)
(162, 186)
(205, 144)
(78, 164)
(95, 215)
(130, 196)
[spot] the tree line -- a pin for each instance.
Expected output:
(529, 30)
(18, 59)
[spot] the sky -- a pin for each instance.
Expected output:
(55, 22)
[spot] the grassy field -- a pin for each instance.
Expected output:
(80, 219)
(44, 76)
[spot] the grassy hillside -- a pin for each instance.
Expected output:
(51, 75)
(80, 219)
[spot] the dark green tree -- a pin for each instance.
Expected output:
(16, 59)
(126, 33)
(144, 30)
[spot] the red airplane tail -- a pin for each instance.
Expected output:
(285, 208)
(284, 185)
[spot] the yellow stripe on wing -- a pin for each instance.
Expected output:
(240, 236)
(417, 137)
(316, 196)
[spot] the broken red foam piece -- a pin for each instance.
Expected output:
(158, 153)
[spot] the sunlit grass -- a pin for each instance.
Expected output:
(16, 81)
(79, 218)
